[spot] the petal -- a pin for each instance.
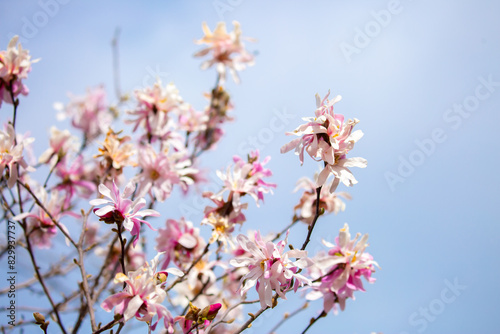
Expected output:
(99, 201)
(291, 145)
(113, 300)
(354, 162)
(105, 191)
(175, 271)
(188, 241)
(132, 308)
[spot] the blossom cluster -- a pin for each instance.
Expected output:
(338, 273)
(244, 178)
(143, 295)
(271, 268)
(15, 64)
(328, 137)
(226, 49)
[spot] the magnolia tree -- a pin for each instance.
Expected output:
(192, 284)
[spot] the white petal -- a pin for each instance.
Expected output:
(175, 271)
(105, 191)
(132, 308)
(188, 241)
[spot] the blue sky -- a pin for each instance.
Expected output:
(415, 73)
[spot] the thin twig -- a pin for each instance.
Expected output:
(109, 325)
(252, 318)
(42, 282)
(122, 245)
(15, 103)
(311, 227)
(313, 321)
(278, 235)
(85, 283)
(287, 316)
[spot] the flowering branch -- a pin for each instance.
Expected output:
(163, 158)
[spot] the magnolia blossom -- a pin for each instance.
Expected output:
(11, 154)
(226, 50)
(306, 208)
(340, 271)
(89, 113)
(233, 276)
(15, 64)
(247, 178)
(244, 178)
(161, 171)
(328, 137)
(115, 154)
(154, 106)
(142, 296)
(74, 179)
(41, 228)
(61, 142)
(180, 242)
(191, 120)
(271, 268)
(223, 226)
(121, 210)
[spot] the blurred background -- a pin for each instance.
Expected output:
(423, 78)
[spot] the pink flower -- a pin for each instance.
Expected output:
(73, 179)
(270, 268)
(328, 137)
(226, 49)
(223, 218)
(15, 64)
(120, 209)
(115, 154)
(191, 120)
(306, 208)
(341, 270)
(11, 154)
(41, 228)
(61, 142)
(154, 107)
(142, 296)
(180, 242)
(160, 172)
(247, 178)
(89, 113)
